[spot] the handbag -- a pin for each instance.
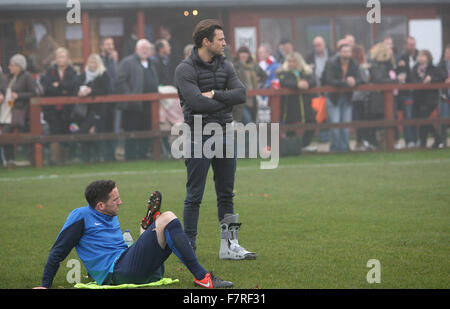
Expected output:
(79, 112)
(290, 146)
(18, 117)
(5, 112)
(319, 104)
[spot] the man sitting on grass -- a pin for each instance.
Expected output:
(95, 232)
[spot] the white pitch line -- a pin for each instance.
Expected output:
(359, 164)
(247, 168)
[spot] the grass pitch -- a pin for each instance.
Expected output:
(314, 222)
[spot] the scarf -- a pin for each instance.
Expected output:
(421, 70)
(6, 106)
(251, 77)
(90, 76)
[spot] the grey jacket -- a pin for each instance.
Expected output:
(130, 80)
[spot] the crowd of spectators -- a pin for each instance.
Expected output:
(146, 67)
(143, 67)
(351, 65)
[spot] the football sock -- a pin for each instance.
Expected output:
(179, 244)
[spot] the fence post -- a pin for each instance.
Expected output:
(275, 106)
(156, 144)
(140, 23)
(36, 129)
(389, 115)
(85, 31)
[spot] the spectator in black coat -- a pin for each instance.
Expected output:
(296, 74)
(164, 67)
(91, 118)
(176, 51)
(285, 48)
(318, 58)
(426, 101)
(110, 58)
(60, 80)
(381, 72)
(404, 65)
(444, 66)
(361, 102)
(112, 115)
(341, 71)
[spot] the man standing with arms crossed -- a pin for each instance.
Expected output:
(209, 88)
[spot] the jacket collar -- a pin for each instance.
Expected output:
(139, 60)
(210, 66)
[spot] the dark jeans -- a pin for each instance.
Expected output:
(444, 112)
(197, 171)
(136, 149)
(141, 263)
(409, 132)
(423, 110)
(108, 147)
(89, 151)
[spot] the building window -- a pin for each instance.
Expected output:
(273, 30)
(357, 26)
(395, 27)
(307, 28)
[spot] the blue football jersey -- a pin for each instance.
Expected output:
(97, 239)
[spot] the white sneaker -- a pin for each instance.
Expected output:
(398, 146)
(368, 145)
(231, 250)
(310, 149)
(411, 145)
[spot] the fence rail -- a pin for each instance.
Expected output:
(36, 138)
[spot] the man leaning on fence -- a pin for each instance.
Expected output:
(341, 71)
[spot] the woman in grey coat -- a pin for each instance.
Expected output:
(16, 91)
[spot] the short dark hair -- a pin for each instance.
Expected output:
(98, 191)
(159, 44)
(286, 41)
(244, 49)
(342, 46)
(106, 38)
(358, 53)
(205, 29)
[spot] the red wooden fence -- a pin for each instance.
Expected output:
(389, 123)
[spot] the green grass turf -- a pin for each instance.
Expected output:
(314, 221)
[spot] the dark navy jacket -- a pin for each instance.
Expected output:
(194, 76)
